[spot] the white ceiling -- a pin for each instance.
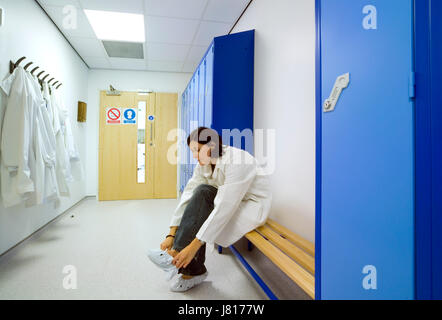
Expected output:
(178, 32)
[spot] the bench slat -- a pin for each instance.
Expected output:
(298, 240)
(299, 255)
(295, 272)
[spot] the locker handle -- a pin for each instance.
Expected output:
(340, 84)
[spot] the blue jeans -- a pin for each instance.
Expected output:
(196, 213)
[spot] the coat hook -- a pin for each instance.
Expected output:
(49, 82)
(59, 85)
(13, 65)
(26, 66)
(55, 83)
(38, 76)
(45, 77)
(18, 61)
(33, 70)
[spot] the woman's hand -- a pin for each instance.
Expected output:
(167, 244)
(185, 256)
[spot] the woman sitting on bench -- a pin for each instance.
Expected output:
(227, 197)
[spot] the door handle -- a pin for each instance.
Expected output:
(340, 84)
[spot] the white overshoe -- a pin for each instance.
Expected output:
(171, 273)
(160, 257)
(180, 285)
(163, 260)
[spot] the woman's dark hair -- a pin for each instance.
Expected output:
(204, 135)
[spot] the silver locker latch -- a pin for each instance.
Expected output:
(340, 84)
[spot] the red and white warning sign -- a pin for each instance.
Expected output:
(113, 115)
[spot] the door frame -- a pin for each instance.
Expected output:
(428, 129)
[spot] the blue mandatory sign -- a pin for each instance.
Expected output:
(130, 116)
(151, 118)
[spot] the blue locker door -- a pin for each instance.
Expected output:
(185, 149)
(196, 99)
(367, 193)
(189, 108)
(201, 93)
(182, 149)
(208, 104)
(436, 81)
(185, 128)
(194, 116)
(183, 119)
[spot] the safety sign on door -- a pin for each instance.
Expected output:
(113, 115)
(130, 116)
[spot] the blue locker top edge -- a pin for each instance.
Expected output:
(207, 51)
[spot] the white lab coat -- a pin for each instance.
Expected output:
(65, 122)
(63, 166)
(45, 145)
(37, 150)
(242, 202)
(17, 157)
(75, 168)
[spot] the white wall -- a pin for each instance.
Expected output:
(29, 32)
(122, 81)
(285, 101)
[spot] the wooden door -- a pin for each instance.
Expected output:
(165, 145)
(126, 173)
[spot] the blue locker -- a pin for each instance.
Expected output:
(183, 149)
(185, 129)
(208, 98)
(220, 93)
(201, 92)
(194, 117)
(436, 84)
(367, 161)
(233, 73)
(182, 143)
(185, 107)
(189, 155)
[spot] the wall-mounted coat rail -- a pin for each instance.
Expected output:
(13, 65)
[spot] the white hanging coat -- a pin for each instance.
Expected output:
(45, 152)
(242, 202)
(75, 166)
(63, 166)
(17, 139)
(37, 149)
(67, 130)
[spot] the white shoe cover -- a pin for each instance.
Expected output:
(180, 285)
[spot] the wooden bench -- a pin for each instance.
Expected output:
(288, 251)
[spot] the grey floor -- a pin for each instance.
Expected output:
(105, 244)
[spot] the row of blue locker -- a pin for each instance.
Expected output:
(196, 111)
(220, 93)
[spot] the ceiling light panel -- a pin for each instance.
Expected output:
(117, 26)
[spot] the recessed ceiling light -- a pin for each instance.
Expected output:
(117, 26)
